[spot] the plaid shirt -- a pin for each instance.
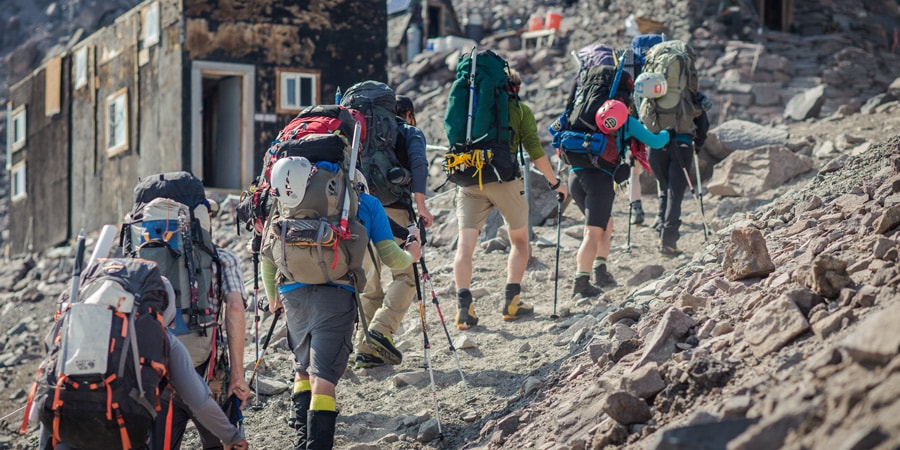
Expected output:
(231, 272)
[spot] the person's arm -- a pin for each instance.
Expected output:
(268, 269)
(235, 322)
(526, 130)
(379, 230)
(543, 164)
(196, 395)
(418, 163)
(701, 131)
(634, 128)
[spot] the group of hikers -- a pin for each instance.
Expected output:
(341, 194)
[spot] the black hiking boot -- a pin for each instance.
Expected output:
(298, 418)
(384, 345)
(513, 308)
(602, 278)
(366, 361)
(583, 287)
(637, 213)
(320, 425)
(465, 310)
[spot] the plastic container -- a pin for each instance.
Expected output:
(413, 41)
(554, 18)
(535, 23)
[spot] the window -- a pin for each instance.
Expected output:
(151, 25)
(117, 122)
(17, 180)
(80, 76)
(17, 128)
(297, 90)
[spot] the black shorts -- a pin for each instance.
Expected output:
(593, 192)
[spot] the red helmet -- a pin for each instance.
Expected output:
(611, 115)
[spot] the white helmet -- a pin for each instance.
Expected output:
(289, 178)
(650, 85)
(171, 307)
(359, 181)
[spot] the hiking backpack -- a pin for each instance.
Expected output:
(107, 359)
(575, 133)
(640, 45)
(253, 209)
(482, 155)
(677, 109)
(313, 243)
(170, 225)
(377, 155)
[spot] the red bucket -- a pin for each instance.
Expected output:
(535, 23)
(554, 18)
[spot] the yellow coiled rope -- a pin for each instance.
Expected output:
(454, 162)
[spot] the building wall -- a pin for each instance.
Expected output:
(345, 39)
(40, 220)
(103, 184)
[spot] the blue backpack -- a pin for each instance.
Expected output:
(640, 45)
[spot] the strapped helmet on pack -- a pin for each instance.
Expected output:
(289, 178)
(651, 85)
(611, 115)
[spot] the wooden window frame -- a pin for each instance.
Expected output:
(112, 148)
(18, 177)
(17, 114)
(283, 76)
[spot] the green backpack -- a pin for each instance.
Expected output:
(677, 109)
(484, 155)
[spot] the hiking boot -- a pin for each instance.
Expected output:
(602, 278)
(637, 217)
(321, 426)
(365, 361)
(465, 310)
(515, 308)
(670, 251)
(384, 345)
(298, 418)
(583, 287)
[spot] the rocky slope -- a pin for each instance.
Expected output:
(779, 332)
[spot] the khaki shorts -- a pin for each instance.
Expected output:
(473, 205)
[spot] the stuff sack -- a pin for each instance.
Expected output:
(377, 156)
(482, 156)
(677, 109)
(170, 225)
(310, 243)
(99, 386)
(640, 45)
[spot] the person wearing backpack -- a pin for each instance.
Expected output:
(321, 315)
(474, 203)
(178, 367)
(385, 306)
(682, 111)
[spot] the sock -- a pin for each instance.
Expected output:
(463, 293)
(512, 290)
(599, 261)
(582, 274)
(322, 402)
(301, 386)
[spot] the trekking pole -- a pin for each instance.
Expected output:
(687, 177)
(700, 197)
(76, 272)
(255, 247)
(559, 208)
(265, 346)
(426, 346)
(434, 300)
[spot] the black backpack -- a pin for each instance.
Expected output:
(107, 359)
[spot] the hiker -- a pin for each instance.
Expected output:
(669, 166)
(193, 392)
(385, 306)
(320, 317)
(475, 202)
(640, 45)
(593, 192)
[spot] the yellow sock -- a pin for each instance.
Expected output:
(301, 386)
(321, 402)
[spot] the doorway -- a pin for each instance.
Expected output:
(222, 124)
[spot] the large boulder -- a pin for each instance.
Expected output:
(753, 172)
(806, 104)
(735, 135)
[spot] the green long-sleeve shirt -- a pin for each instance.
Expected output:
(524, 130)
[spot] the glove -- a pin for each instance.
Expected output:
(413, 233)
